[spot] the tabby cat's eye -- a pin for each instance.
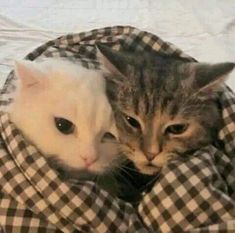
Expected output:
(64, 126)
(132, 122)
(176, 129)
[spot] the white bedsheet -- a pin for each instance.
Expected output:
(204, 29)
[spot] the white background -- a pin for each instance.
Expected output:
(204, 29)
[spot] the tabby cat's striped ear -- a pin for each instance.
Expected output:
(209, 79)
(112, 61)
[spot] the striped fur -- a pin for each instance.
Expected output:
(158, 92)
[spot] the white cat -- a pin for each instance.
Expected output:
(62, 108)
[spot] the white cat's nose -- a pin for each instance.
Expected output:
(89, 159)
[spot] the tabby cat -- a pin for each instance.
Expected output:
(164, 106)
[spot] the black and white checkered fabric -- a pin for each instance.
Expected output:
(194, 194)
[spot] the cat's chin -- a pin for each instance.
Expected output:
(67, 173)
(104, 179)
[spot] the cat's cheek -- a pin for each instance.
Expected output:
(108, 157)
(100, 167)
(161, 160)
(95, 168)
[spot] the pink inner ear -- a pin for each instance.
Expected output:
(31, 84)
(28, 73)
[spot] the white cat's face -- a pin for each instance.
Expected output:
(62, 108)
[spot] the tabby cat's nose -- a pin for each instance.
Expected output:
(150, 156)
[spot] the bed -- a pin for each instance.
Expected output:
(203, 29)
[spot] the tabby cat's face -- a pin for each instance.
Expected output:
(163, 107)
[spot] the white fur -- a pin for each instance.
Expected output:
(57, 88)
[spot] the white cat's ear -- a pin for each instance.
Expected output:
(209, 79)
(28, 73)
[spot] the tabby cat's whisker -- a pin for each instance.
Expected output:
(122, 169)
(129, 168)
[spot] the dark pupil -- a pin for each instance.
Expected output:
(176, 129)
(133, 122)
(63, 125)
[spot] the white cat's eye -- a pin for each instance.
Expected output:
(176, 129)
(64, 126)
(132, 122)
(108, 137)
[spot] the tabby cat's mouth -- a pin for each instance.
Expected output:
(151, 165)
(151, 169)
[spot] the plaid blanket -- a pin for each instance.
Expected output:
(195, 194)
